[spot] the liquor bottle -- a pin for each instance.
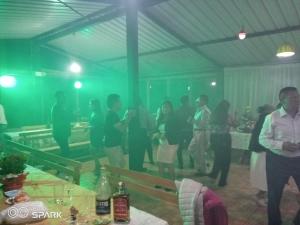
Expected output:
(121, 204)
(103, 198)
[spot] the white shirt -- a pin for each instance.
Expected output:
(2, 116)
(280, 127)
(201, 118)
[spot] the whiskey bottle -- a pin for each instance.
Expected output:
(121, 204)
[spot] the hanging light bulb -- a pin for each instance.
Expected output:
(242, 34)
(285, 50)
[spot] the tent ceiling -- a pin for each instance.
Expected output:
(198, 22)
(28, 18)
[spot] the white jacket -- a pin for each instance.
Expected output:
(190, 199)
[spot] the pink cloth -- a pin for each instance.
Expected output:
(214, 210)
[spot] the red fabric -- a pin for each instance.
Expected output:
(214, 210)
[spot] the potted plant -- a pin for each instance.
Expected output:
(12, 168)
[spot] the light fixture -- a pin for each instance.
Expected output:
(242, 34)
(40, 73)
(75, 67)
(77, 85)
(285, 50)
(214, 83)
(7, 81)
(189, 88)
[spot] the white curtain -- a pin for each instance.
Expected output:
(258, 85)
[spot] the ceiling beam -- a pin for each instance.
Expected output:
(100, 16)
(178, 36)
(145, 53)
(83, 59)
(250, 35)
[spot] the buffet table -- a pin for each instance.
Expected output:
(240, 140)
(42, 186)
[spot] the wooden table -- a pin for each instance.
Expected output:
(42, 186)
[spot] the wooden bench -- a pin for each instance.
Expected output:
(146, 184)
(56, 162)
(38, 138)
(77, 145)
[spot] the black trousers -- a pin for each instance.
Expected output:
(279, 169)
(221, 145)
(184, 141)
(137, 144)
(63, 143)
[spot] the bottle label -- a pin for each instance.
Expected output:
(121, 209)
(102, 207)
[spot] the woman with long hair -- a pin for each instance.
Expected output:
(220, 140)
(168, 139)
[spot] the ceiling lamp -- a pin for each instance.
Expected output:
(75, 67)
(285, 50)
(242, 34)
(77, 85)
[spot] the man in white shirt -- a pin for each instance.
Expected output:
(281, 134)
(199, 143)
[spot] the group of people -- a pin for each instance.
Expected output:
(275, 140)
(171, 133)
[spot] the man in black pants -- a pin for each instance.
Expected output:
(140, 125)
(185, 115)
(61, 127)
(281, 134)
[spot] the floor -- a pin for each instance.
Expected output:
(238, 197)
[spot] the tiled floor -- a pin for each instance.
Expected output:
(237, 196)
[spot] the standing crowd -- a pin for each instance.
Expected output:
(275, 140)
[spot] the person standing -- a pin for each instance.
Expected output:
(140, 126)
(185, 113)
(199, 142)
(220, 141)
(168, 134)
(281, 134)
(258, 177)
(114, 129)
(3, 125)
(96, 132)
(61, 123)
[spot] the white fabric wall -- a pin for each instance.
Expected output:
(257, 85)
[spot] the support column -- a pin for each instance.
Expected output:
(132, 52)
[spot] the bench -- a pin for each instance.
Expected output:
(39, 138)
(36, 157)
(146, 184)
(77, 145)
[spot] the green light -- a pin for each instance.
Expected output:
(7, 81)
(214, 83)
(77, 85)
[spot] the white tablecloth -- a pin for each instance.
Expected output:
(138, 217)
(240, 140)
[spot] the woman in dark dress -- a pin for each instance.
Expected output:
(96, 131)
(220, 141)
(168, 129)
(258, 157)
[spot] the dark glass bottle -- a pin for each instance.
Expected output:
(121, 204)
